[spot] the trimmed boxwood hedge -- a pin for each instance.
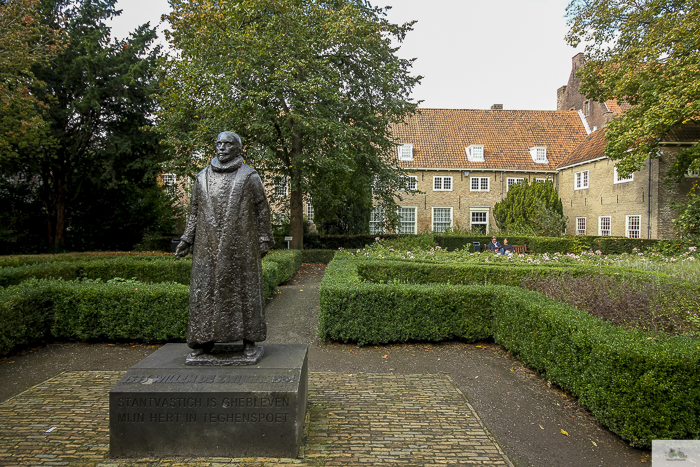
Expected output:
(607, 245)
(142, 268)
(86, 299)
(641, 388)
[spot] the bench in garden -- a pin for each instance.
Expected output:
(520, 249)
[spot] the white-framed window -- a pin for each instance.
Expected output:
(619, 179)
(442, 219)
(407, 220)
(411, 182)
(309, 211)
(475, 153)
(479, 219)
(406, 152)
(539, 154)
(633, 226)
(587, 108)
(376, 221)
(540, 180)
(580, 226)
(692, 173)
(442, 183)
(281, 187)
(581, 180)
(604, 223)
(480, 183)
(170, 182)
(513, 181)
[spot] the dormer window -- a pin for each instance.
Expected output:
(475, 153)
(406, 152)
(539, 154)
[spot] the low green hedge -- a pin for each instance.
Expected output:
(317, 256)
(569, 244)
(95, 304)
(149, 269)
(640, 388)
(86, 310)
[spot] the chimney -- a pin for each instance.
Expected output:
(497, 107)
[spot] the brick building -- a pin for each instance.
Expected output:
(596, 200)
(465, 160)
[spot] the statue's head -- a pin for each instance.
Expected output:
(228, 146)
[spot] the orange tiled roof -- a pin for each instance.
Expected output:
(593, 147)
(440, 136)
(616, 108)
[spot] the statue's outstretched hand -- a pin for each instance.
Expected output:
(183, 249)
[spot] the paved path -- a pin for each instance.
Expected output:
(361, 402)
(379, 420)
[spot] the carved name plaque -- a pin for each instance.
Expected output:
(162, 408)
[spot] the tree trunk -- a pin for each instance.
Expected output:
(296, 219)
(55, 207)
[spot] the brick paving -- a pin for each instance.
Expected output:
(354, 419)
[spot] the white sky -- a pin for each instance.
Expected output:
(471, 53)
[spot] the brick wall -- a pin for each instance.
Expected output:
(461, 198)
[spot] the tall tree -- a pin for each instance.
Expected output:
(310, 85)
(98, 95)
(24, 42)
(645, 53)
(534, 206)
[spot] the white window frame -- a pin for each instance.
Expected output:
(629, 232)
(169, 182)
(411, 185)
(443, 226)
(480, 183)
(309, 211)
(475, 153)
(377, 221)
(413, 225)
(692, 173)
(539, 154)
(281, 187)
(602, 230)
(512, 181)
(479, 210)
(630, 178)
(440, 181)
(581, 180)
(540, 180)
(580, 226)
(406, 152)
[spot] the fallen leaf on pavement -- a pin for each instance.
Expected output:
(564, 433)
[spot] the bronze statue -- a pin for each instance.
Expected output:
(229, 232)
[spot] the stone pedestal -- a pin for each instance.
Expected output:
(163, 408)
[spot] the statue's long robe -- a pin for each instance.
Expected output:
(229, 217)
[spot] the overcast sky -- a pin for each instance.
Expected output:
(471, 53)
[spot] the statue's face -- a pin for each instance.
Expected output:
(227, 148)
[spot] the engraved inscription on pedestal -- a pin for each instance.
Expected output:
(162, 408)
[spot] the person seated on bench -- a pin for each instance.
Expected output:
(493, 246)
(506, 249)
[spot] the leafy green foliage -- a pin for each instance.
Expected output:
(688, 222)
(310, 86)
(645, 55)
(24, 42)
(537, 207)
(95, 145)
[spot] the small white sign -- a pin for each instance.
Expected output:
(669, 452)
(288, 239)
